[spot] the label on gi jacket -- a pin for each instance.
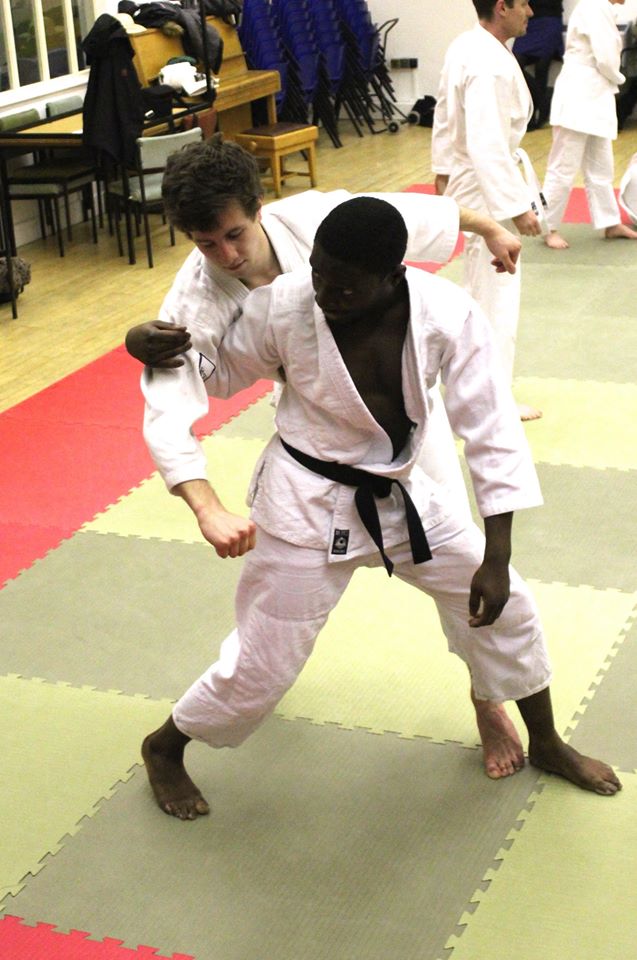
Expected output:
(206, 367)
(340, 542)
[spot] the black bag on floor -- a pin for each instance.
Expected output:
(422, 112)
(21, 276)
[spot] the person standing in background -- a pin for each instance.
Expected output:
(584, 121)
(481, 115)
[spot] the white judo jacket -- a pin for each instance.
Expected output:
(584, 94)
(322, 414)
(481, 115)
(206, 300)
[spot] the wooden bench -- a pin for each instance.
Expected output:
(238, 86)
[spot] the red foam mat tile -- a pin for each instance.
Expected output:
(71, 450)
(61, 474)
(43, 942)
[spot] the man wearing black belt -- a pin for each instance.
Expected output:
(359, 345)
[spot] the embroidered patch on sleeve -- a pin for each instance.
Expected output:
(340, 542)
(206, 367)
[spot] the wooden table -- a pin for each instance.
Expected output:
(60, 133)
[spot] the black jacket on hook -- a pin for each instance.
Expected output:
(113, 114)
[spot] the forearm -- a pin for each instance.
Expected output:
(230, 534)
(199, 496)
(497, 531)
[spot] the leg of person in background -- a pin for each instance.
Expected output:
(499, 297)
(565, 159)
(598, 171)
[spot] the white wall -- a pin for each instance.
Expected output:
(424, 31)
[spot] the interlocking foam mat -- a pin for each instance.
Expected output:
(358, 821)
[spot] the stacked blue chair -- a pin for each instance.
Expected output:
(261, 43)
(297, 33)
(366, 89)
(331, 47)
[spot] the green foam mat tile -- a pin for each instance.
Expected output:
(150, 511)
(566, 888)
(587, 248)
(381, 662)
(585, 531)
(64, 749)
(558, 309)
(608, 725)
(119, 613)
(323, 844)
(585, 423)
(255, 423)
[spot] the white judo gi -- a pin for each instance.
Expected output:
(481, 115)
(206, 300)
(310, 538)
(584, 115)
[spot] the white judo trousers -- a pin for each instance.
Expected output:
(285, 596)
(497, 293)
(571, 151)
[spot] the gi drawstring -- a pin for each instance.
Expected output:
(369, 486)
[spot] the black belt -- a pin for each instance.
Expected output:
(370, 485)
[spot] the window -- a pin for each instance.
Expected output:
(40, 39)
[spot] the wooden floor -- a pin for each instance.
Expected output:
(78, 307)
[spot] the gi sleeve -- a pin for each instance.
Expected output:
(174, 400)
(441, 147)
(483, 413)
(605, 46)
(488, 134)
(432, 224)
(248, 351)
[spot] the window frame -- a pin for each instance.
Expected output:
(76, 78)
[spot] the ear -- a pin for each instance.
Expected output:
(259, 213)
(399, 274)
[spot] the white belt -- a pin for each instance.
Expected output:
(536, 197)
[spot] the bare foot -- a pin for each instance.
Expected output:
(501, 746)
(528, 413)
(174, 791)
(555, 241)
(555, 756)
(620, 231)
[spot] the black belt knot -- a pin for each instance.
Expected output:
(369, 486)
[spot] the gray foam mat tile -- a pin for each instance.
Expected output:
(586, 531)
(322, 843)
(607, 726)
(119, 613)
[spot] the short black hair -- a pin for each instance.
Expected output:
(484, 8)
(366, 232)
(202, 179)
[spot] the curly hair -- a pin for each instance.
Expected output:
(202, 179)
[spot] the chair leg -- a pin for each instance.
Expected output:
(58, 224)
(114, 218)
(42, 219)
(275, 163)
(149, 246)
(67, 211)
(92, 211)
(311, 162)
